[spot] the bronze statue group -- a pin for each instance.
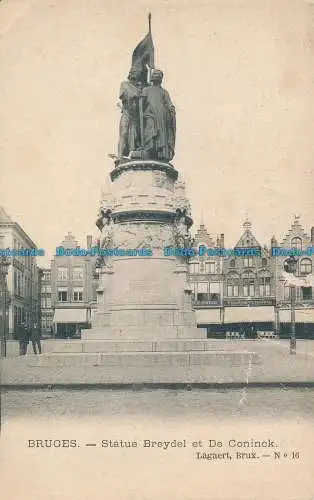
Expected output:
(148, 118)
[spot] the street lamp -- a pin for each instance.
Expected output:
(290, 266)
(4, 266)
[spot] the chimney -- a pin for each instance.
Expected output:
(222, 240)
(312, 235)
(89, 240)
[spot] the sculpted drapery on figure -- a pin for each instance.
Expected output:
(159, 120)
(130, 139)
(148, 121)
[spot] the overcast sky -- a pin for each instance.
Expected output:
(240, 73)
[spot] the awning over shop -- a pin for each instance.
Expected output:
(301, 316)
(70, 316)
(208, 316)
(261, 314)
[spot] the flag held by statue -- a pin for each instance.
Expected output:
(143, 55)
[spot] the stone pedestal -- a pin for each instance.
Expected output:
(144, 296)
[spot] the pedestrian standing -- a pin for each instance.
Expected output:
(23, 336)
(35, 338)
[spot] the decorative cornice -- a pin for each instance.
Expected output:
(144, 165)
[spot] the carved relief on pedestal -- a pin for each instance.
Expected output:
(105, 224)
(142, 235)
(182, 236)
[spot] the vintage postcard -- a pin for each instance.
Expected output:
(157, 249)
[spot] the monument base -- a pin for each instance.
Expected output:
(143, 292)
(150, 332)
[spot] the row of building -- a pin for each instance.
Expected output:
(231, 293)
(250, 292)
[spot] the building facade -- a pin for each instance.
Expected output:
(73, 290)
(22, 293)
(302, 246)
(246, 292)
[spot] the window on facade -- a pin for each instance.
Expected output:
(214, 290)
(194, 267)
(232, 263)
(264, 262)
(62, 273)
(307, 293)
(248, 285)
(296, 243)
(46, 289)
(210, 267)
(264, 286)
(77, 273)
(202, 291)
(233, 286)
(194, 290)
(45, 302)
(248, 261)
(305, 266)
(78, 295)
(62, 295)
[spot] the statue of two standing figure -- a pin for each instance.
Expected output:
(148, 119)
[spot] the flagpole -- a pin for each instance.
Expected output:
(141, 118)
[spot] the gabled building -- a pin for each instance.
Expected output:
(206, 277)
(254, 293)
(301, 245)
(206, 270)
(73, 283)
(246, 291)
(249, 285)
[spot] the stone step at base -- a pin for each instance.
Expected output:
(107, 346)
(145, 332)
(129, 367)
(126, 358)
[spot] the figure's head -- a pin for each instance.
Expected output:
(156, 76)
(134, 74)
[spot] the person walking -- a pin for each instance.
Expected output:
(35, 338)
(23, 337)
